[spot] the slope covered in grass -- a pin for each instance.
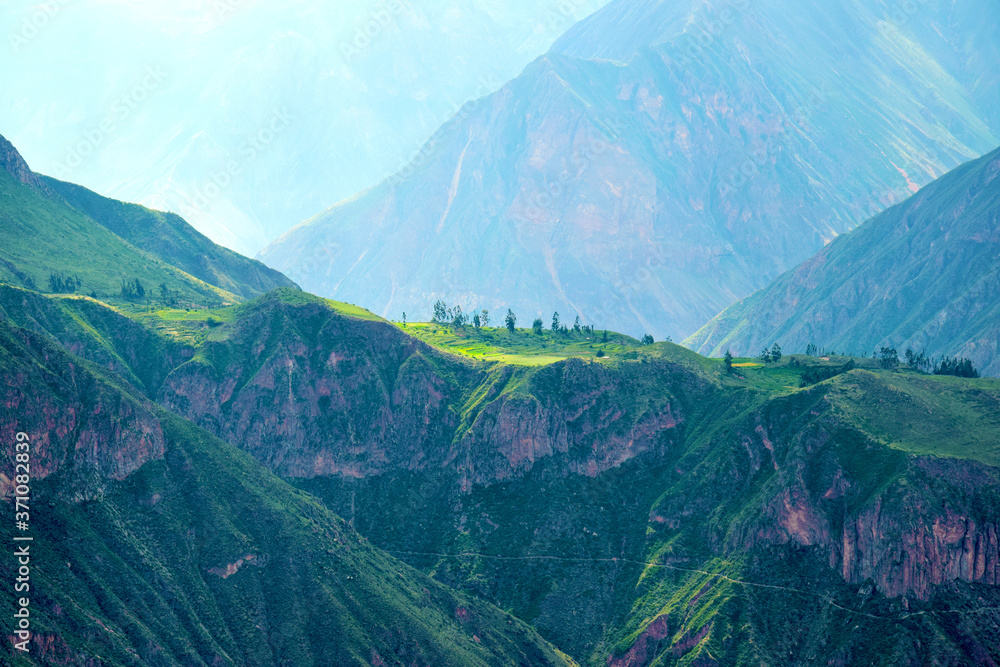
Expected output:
(196, 555)
(655, 510)
(50, 230)
(170, 238)
(40, 236)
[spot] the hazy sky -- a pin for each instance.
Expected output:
(248, 116)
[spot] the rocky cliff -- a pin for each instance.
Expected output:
(156, 544)
(82, 427)
(629, 510)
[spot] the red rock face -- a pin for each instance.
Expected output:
(643, 650)
(85, 429)
(907, 537)
(347, 405)
(909, 560)
(592, 432)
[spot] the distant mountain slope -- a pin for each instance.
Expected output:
(649, 191)
(52, 229)
(304, 105)
(170, 238)
(924, 274)
(155, 543)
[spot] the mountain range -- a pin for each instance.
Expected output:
(923, 275)
(247, 117)
(664, 160)
(53, 230)
(286, 479)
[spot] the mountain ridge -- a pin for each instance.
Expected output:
(595, 499)
(115, 243)
(646, 195)
(923, 275)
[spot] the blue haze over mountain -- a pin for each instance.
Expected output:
(247, 116)
(665, 159)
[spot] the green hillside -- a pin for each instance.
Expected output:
(200, 556)
(61, 238)
(40, 237)
(169, 238)
(632, 511)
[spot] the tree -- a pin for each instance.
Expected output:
(600, 354)
(404, 318)
(133, 290)
(576, 324)
(888, 358)
(962, 368)
(728, 361)
(510, 320)
(647, 340)
(555, 321)
(917, 360)
(604, 336)
(811, 350)
(60, 285)
(776, 353)
(476, 322)
(458, 317)
(537, 326)
(484, 317)
(440, 311)
(765, 356)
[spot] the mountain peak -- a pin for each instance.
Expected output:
(11, 161)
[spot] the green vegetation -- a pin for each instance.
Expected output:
(924, 414)
(170, 239)
(203, 557)
(42, 238)
(529, 347)
(651, 500)
(591, 561)
(963, 368)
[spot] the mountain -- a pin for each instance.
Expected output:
(248, 117)
(52, 229)
(663, 160)
(647, 508)
(925, 274)
(170, 238)
(154, 543)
